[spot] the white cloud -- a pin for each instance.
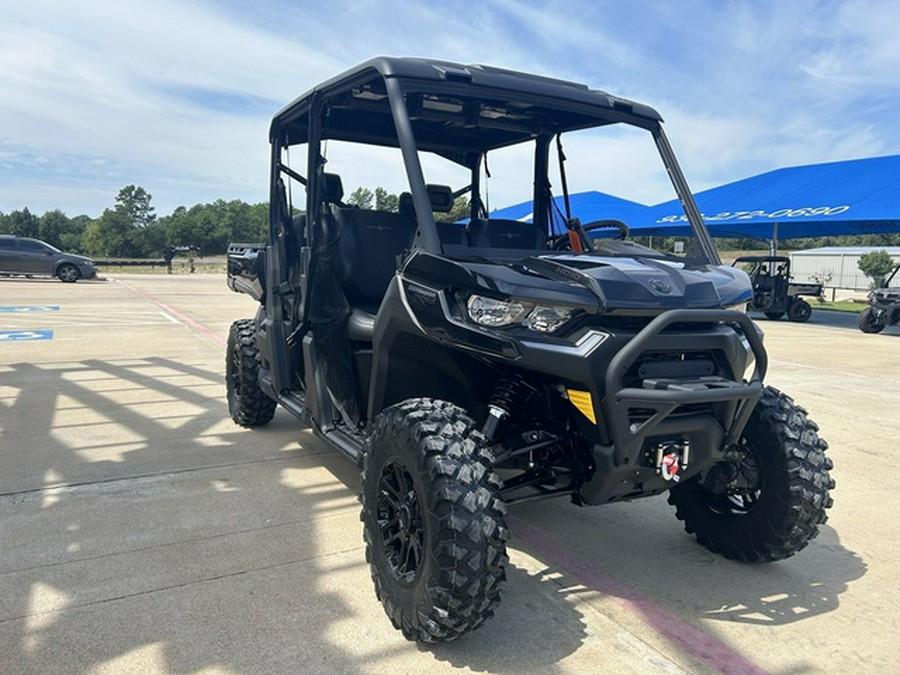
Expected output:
(94, 96)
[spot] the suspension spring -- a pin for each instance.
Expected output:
(502, 402)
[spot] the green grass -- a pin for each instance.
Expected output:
(178, 267)
(852, 307)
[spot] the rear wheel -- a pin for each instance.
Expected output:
(800, 311)
(248, 405)
(767, 499)
(68, 273)
(867, 323)
(774, 315)
(433, 524)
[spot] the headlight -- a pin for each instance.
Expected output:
(498, 313)
(548, 319)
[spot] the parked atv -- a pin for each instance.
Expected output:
(884, 306)
(774, 292)
(466, 366)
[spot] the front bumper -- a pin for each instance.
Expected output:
(635, 413)
(706, 414)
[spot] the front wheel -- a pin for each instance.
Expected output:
(867, 323)
(68, 273)
(800, 311)
(434, 525)
(766, 500)
(248, 405)
(774, 315)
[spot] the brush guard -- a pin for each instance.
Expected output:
(663, 396)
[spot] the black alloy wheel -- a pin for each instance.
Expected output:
(400, 522)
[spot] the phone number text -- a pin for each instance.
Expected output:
(805, 212)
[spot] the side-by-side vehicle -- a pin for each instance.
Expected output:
(467, 364)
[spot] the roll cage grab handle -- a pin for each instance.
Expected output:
(426, 231)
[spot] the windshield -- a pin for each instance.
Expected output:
(603, 179)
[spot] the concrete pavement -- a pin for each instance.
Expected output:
(143, 532)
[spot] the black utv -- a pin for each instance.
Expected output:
(775, 293)
(469, 363)
(884, 306)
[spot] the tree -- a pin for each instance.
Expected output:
(53, 225)
(23, 224)
(460, 210)
(131, 229)
(135, 201)
(876, 265)
(147, 242)
(71, 239)
(91, 241)
(361, 197)
(108, 235)
(385, 201)
(258, 222)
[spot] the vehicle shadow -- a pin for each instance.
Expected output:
(140, 526)
(533, 629)
(639, 555)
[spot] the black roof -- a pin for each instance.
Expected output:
(455, 110)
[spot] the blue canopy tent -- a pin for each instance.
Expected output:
(588, 206)
(860, 196)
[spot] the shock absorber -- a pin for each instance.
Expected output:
(502, 402)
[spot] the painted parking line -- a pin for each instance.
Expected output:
(25, 335)
(172, 313)
(29, 308)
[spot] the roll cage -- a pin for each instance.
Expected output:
(459, 113)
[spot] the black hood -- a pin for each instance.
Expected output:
(594, 282)
(647, 283)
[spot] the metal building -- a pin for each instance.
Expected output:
(836, 266)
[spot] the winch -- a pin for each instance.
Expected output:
(672, 457)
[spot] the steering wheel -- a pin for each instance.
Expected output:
(561, 243)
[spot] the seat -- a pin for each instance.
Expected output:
(441, 197)
(361, 325)
(369, 245)
(498, 233)
(452, 233)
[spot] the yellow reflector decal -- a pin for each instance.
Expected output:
(582, 400)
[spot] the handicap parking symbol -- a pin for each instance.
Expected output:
(24, 335)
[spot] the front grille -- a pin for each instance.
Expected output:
(670, 365)
(640, 415)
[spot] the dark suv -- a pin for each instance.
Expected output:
(32, 257)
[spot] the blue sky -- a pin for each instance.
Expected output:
(176, 96)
